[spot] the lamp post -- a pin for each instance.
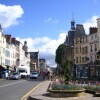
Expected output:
(73, 66)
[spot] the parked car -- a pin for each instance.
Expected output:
(14, 75)
(34, 75)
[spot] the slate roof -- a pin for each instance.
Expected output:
(34, 55)
(79, 31)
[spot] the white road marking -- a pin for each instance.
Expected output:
(12, 83)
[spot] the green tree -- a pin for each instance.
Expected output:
(58, 57)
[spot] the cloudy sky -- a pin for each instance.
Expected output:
(44, 23)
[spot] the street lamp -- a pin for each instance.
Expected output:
(70, 52)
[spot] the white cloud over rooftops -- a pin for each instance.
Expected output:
(45, 45)
(91, 22)
(9, 15)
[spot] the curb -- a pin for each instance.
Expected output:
(27, 95)
(1, 79)
(35, 98)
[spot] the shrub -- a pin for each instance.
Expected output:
(97, 88)
(90, 87)
(56, 86)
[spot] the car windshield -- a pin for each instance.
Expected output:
(34, 73)
(22, 71)
(14, 73)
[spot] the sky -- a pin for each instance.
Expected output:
(44, 24)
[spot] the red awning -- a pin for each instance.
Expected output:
(1, 67)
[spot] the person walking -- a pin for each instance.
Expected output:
(43, 74)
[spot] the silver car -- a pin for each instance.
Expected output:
(14, 75)
(34, 75)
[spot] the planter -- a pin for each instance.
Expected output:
(66, 93)
(97, 94)
(90, 91)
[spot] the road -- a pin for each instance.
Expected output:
(15, 89)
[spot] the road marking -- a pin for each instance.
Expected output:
(12, 83)
(31, 91)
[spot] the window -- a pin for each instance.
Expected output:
(76, 59)
(95, 47)
(83, 50)
(91, 58)
(83, 40)
(86, 51)
(7, 62)
(90, 48)
(91, 37)
(76, 50)
(80, 40)
(80, 49)
(76, 41)
(7, 53)
(80, 59)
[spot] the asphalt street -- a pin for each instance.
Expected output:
(16, 89)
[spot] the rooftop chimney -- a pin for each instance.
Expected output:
(92, 30)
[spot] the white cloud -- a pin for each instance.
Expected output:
(46, 46)
(92, 22)
(50, 20)
(9, 15)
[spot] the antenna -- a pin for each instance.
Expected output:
(72, 16)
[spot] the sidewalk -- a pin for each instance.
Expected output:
(41, 94)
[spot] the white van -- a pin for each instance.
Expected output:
(23, 73)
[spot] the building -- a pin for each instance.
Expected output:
(34, 63)
(86, 49)
(2, 52)
(24, 56)
(12, 52)
(42, 64)
(81, 55)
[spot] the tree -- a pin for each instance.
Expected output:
(59, 50)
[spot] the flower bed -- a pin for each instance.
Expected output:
(93, 89)
(57, 89)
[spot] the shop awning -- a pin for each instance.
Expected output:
(2, 67)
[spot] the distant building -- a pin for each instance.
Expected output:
(42, 64)
(34, 64)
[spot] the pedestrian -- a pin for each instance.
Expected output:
(48, 75)
(3, 74)
(43, 74)
(51, 76)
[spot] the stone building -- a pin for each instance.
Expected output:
(34, 63)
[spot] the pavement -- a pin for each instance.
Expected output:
(40, 93)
